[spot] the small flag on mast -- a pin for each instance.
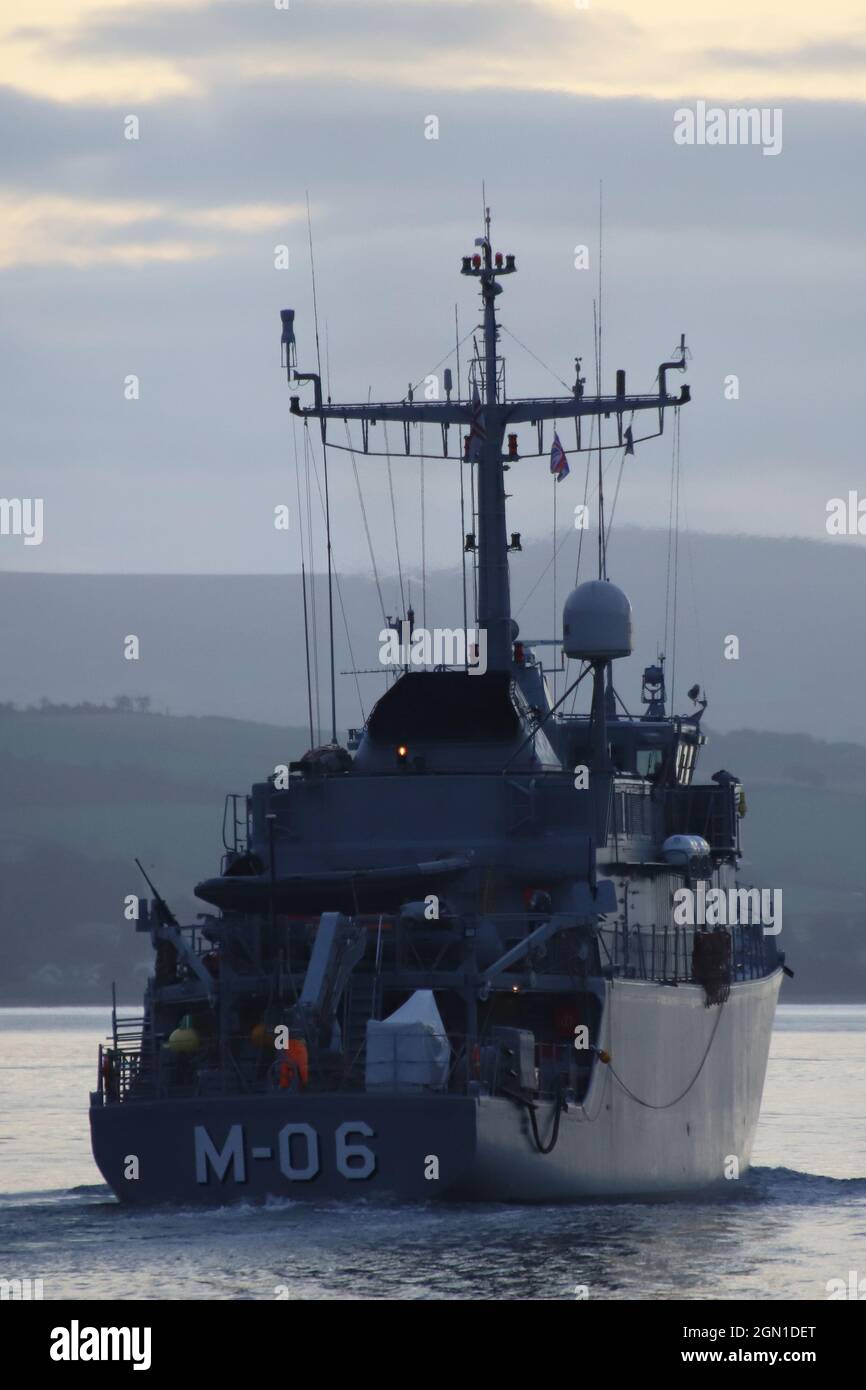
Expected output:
(477, 436)
(558, 461)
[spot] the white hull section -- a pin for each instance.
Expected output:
(613, 1145)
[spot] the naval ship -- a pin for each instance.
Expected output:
(444, 960)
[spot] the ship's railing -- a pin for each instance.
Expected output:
(152, 1073)
(665, 953)
(707, 810)
(123, 1073)
(236, 823)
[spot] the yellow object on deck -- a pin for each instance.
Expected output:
(262, 1037)
(184, 1038)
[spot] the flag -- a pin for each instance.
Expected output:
(477, 436)
(629, 442)
(558, 460)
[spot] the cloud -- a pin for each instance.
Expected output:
(142, 54)
(842, 56)
(156, 258)
(56, 230)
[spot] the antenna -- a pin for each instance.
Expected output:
(327, 492)
(488, 415)
(602, 555)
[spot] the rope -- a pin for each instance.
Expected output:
(423, 540)
(342, 606)
(313, 622)
(542, 575)
(530, 1106)
(615, 497)
(367, 527)
(694, 592)
(555, 482)
(670, 544)
(648, 1105)
(676, 561)
(303, 582)
(394, 516)
(554, 1136)
(554, 374)
(461, 341)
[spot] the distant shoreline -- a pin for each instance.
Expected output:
(55, 1005)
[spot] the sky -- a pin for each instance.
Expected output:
(159, 258)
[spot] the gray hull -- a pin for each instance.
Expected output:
(674, 1111)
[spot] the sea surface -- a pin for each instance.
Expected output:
(796, 1221)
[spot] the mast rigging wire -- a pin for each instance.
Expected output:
(322, 504)
(676, 557)
(303, 582)
(448, 354)
(327, 490)
(694, 593)
(394, 516)
(367, 528)
(602, 556)
(423, 540)
(314, 622)
(534, 355)
(555, 481)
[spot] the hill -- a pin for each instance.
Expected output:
(85, 793)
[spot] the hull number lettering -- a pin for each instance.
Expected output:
(299, 1153)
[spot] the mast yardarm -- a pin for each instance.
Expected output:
(486, 418)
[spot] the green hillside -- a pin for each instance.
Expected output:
(85, 793)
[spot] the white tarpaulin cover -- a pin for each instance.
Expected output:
(408, 1051)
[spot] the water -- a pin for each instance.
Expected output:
(795, 1222)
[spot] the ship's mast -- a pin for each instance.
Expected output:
(487, 417)
(494, 598)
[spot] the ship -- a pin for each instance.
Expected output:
(445, 958)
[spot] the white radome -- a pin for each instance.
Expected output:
(596, 622)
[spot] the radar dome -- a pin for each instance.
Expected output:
(596, 622)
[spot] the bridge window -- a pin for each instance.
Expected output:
(649, 760)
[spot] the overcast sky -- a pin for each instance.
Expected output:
(156, 256)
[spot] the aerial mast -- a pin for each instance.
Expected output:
(494, 598)
(487, 416)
